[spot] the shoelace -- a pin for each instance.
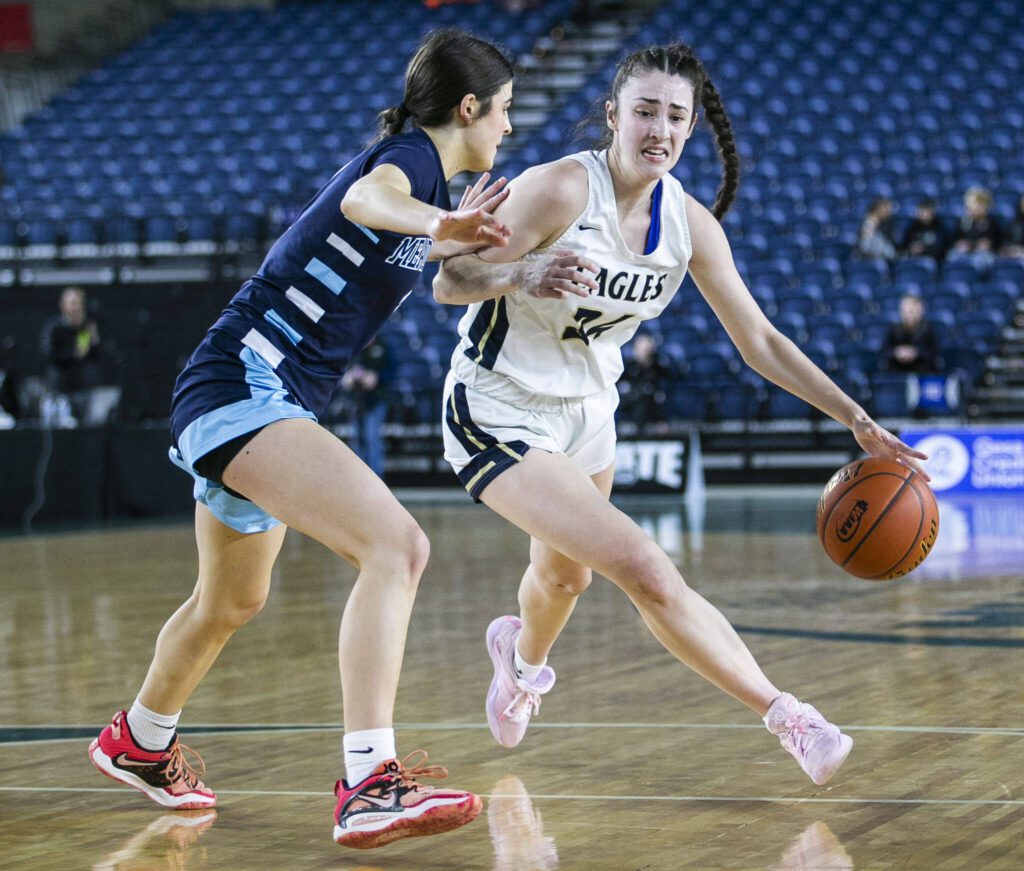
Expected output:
(179, 766)
(799, 727)
(524, 704)
(408, 770)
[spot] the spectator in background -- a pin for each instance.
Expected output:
(1013, 243)
(978, 235)
(75, 358)
(925, 236)
(642, 388)
(911, 345)
(876, 239)
(368, 383)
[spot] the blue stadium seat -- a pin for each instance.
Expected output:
(9, 235)
(736, 401)
(41, 231)
(121, 229)
(244, 113)
(981, 326)
(889, 395)
(706, 366)
(686, 402)
(791, 324)
(783, 405)
(82, 231)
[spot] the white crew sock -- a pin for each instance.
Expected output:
(524, 669)
(365, 750)
(151, 731)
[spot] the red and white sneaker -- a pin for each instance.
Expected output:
(391, 804)
(163, 775)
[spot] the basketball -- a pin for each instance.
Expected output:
(877, 520)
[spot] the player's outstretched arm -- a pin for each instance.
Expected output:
(767, 351)
(382, 200)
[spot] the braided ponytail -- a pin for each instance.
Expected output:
(725, 144)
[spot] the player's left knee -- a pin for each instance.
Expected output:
(232, 614)
(571, 583)
(561, 578)
(649, 577)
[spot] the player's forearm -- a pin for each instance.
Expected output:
(382, 207)
(780, 361)
(448, 248)
(468, 279)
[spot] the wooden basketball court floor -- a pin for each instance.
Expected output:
(633, 763)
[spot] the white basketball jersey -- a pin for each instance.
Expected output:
(572, 347)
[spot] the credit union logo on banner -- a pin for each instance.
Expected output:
(983, 460)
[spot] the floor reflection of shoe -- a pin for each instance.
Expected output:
(165, 843)
(517, 831)
(817, 848)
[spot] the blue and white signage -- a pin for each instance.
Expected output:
(971, 460)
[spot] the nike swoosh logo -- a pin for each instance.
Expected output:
(368, 750)
(387, 802)
(588, 227)
(124, 760)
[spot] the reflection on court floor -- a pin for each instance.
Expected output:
(634, 762)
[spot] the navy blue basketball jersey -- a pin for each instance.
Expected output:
(328, 284)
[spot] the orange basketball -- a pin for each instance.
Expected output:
(877, 519)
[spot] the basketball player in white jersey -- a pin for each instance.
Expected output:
(531, 395)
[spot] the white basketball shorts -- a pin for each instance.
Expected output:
(491, 423)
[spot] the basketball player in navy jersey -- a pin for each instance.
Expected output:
(244, 422)
(531, 395)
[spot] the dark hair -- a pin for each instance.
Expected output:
(678, 59)
(877, 203)
(448, 64)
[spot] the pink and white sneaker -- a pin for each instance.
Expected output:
(512, 699)
(817, 745)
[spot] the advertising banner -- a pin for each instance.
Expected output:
(971, 459)
(650, 466)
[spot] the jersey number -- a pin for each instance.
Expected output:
(587, 328)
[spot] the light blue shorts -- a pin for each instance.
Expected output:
(226, 391)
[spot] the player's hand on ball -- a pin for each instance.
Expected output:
(880, 443)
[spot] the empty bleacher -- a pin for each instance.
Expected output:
(210, 133)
